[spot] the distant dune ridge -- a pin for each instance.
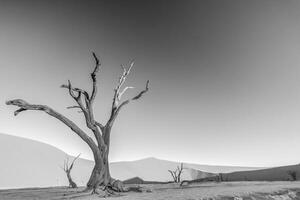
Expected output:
(28, 163)
(270, 174)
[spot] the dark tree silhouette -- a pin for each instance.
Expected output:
(293, 175)
(220, 175)
(100, 179)
(67, 168)
(176, 174)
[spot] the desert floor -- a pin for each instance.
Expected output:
(224, 190)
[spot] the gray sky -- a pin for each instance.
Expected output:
(224, 76)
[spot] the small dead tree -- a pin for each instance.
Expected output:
(293, 175)
(176, 174)
(220, 177)
(67, 168)
(100, 181)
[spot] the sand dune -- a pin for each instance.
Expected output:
(270, 174)
(28, 163)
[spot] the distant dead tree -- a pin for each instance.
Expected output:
(220, 175)
(100, 181)
(176, 174)
(67, 168)
(293, 175)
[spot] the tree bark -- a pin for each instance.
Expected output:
(100, 176)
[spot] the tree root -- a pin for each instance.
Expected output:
(112, 189)
(106, 191)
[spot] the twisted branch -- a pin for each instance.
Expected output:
(94, 79)
(24, 106)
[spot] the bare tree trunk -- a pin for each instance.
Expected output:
(179, 172)
(72, 184)
(100, 176)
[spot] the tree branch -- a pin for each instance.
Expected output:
(118, 94)
(100, 125)
(23, 105)
(173, 175)
(71, 166)
(180, 169)
(66, 164)
(122, 79)
(77, 97)
(124, 90)
(78, 90)
(116, 110)
(94, 79)
(70, 107)
(87, 109)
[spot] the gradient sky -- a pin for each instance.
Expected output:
(224, 76)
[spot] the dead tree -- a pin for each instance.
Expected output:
(293, 175)
(100, 179)
(176, 174)
(67, 168)
(220, 177)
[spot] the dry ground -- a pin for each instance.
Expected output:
(224, 190)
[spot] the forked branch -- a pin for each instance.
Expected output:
(67, 167)
(87, 107)
(173, 174)
(139, 95)
(116, 105)
(88, 98)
